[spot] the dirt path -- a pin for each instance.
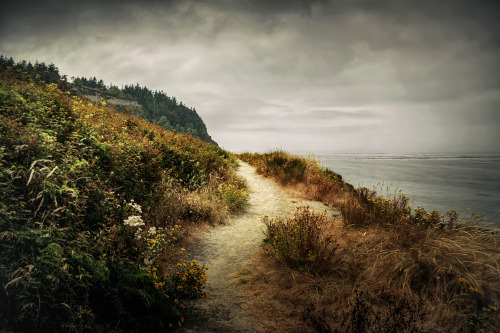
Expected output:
(224, 249)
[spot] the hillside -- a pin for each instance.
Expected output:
(153, 106)
(94, 208)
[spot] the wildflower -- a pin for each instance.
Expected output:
(134, 221)
(135, 206)
(153, 240)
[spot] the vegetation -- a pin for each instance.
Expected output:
(94, 206)
(234, 196)
(155, 107)
(301, 241)
(395, 269)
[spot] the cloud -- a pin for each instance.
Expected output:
(391, 75)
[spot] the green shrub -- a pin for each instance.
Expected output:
(234, 197)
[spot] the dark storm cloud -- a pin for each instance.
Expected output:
(354, 72)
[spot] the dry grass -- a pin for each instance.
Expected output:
(396, 269)
(375, 284)
(443, 266)
(301, 242)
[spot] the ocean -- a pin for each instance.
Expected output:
(434, 181)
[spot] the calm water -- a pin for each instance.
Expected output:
(442, 182)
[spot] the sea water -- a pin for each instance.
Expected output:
(434, 181)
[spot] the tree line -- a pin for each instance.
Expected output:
(158, 108)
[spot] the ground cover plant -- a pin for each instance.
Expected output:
(93, 206)
(395, 269)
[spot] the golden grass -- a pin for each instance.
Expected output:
(375, 284)
(396, 270)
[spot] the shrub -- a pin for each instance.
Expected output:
(301, 242)
(365, 207)
(234, 197)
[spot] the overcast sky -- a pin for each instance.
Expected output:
(346, 76)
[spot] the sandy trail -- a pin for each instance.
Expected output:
(224, 249)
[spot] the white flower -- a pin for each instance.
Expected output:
(152, 230)
(134, 221)
(138, 233)
(135, 206)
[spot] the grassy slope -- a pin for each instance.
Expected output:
(93, 204)
(387, 269)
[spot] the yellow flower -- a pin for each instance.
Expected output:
(153, 241)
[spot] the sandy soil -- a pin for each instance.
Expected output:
(223, 250)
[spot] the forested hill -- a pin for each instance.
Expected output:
(153, 106)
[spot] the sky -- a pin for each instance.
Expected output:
(352, 76)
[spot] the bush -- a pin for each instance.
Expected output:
(234, 197)
(301, 242)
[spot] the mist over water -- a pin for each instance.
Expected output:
(435, 181)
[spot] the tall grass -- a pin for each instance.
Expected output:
(396, 268)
